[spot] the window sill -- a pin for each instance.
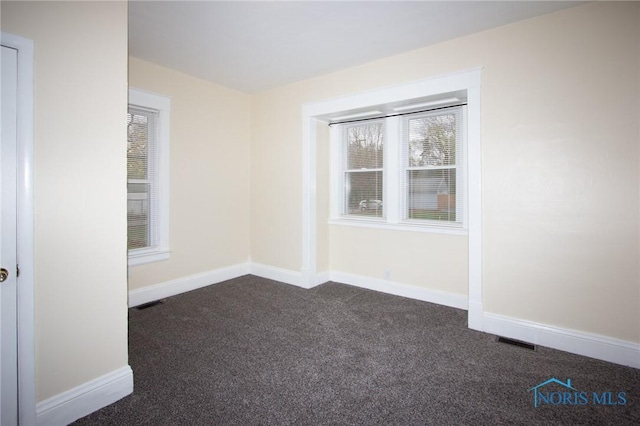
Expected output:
(404, 226)
(143, 256)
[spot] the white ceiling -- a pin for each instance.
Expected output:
(256, 45)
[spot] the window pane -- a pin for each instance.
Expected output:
(365, 146)
(431, 194)
(137, 146)
(138, 215)
(432, 141)
(141, 175)
(364, 193)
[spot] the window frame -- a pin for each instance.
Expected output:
(394, 185)
(460, 168)
(160, 249)
(344, 129)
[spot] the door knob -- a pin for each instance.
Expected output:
(3, 275)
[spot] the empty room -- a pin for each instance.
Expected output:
(320, 212)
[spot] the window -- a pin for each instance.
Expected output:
(147, 177)
(363, 175)
(404, 170)
(433, 153)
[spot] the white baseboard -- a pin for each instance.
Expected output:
(404, 290)
(188, 283)
(296, 278)
(277, 274)
(577, 342)
(83, 400)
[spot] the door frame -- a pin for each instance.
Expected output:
(25, 216)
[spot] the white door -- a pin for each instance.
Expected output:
(8, 264)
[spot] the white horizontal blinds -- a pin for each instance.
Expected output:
(433, 147)
(363, 176)
(142, 191)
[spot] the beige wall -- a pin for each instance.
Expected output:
(80, 188)
(276, 179)
(560, 171)
(560, 160)
(209, 174)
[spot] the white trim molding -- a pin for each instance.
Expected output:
(286, 276)
(177, 286)
(192, 282)
(404, 290)
(309, 199)
(182, 285)
(83, 400)
(289, 276)
(25, 193)
(405, 226)
(577, 342)
(474, 202)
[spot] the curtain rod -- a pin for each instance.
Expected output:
(398, 114)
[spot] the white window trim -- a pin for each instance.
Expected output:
(393, 187)
(395, 197)
(403, 226)
(468, 80)
(162, 104)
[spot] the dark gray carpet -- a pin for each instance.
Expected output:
(252, 351)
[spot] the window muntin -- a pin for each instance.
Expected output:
(364, 169)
